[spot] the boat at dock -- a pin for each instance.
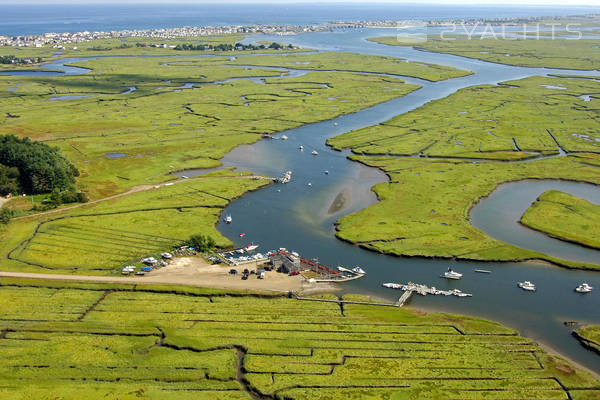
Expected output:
(530, 287)
(424, 290)
(584, 288)
(359, 270)
(285, 178)
(250, 247)
(450, 274)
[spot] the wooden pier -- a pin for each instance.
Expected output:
(404, 298)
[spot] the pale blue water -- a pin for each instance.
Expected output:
(28, 19)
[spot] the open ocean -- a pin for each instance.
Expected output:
(29, 19)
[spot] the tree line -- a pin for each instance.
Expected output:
(17, 60)
(231, 47)
(31, 167)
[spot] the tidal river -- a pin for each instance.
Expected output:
(301, 217)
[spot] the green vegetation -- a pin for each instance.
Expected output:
(566, 217)
(164, 126)
(14, 60)
(40, 168)
(356, 62)
(513, 120)
(424, 209)
(557, 53)
(201, 243)
(589, 337)
(100, 238)
(117, 341)
(230, 47)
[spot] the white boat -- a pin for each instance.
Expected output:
(392, 285)
(283, 137)
(301, 148)
(527, 286)
(309, 184)
(314, 153)
(149, 260)
(326, 172)
(451, 274)
(359, 270)
(584, 288)
(167, 256)
(228, 219)
(251, 247)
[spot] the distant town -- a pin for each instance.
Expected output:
(59, 40)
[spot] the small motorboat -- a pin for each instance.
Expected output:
(326, 172)
(358, 270)
(530, 287)
(301, 148)
(392, 285)
(314, 153)
(283, 137)
(451, 274)
(309, 184)
(228, 219)
(584, 288)
(251, 247)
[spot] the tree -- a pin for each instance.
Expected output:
(201, 242)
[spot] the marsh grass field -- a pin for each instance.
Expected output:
(565, 217)
(589, 336)
(119, 341)
(550, 53)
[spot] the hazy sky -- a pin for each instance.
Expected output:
(479, 2)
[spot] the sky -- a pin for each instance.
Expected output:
(477, 2)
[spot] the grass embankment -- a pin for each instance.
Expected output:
(424, 209)
(558, 53)
(357, 62)
(589, 337)
(115, 341)
(566, 217)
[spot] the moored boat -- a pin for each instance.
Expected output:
(228, 219)
(527, 286)
(450, 274)
(359, 270)
(584, 288)
(314, 153)
(251, 247)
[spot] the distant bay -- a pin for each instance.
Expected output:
(32, 19)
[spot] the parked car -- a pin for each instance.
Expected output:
(233, 271)
(244, 277)
(293, 273)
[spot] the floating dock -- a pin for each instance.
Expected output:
(424, 290)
